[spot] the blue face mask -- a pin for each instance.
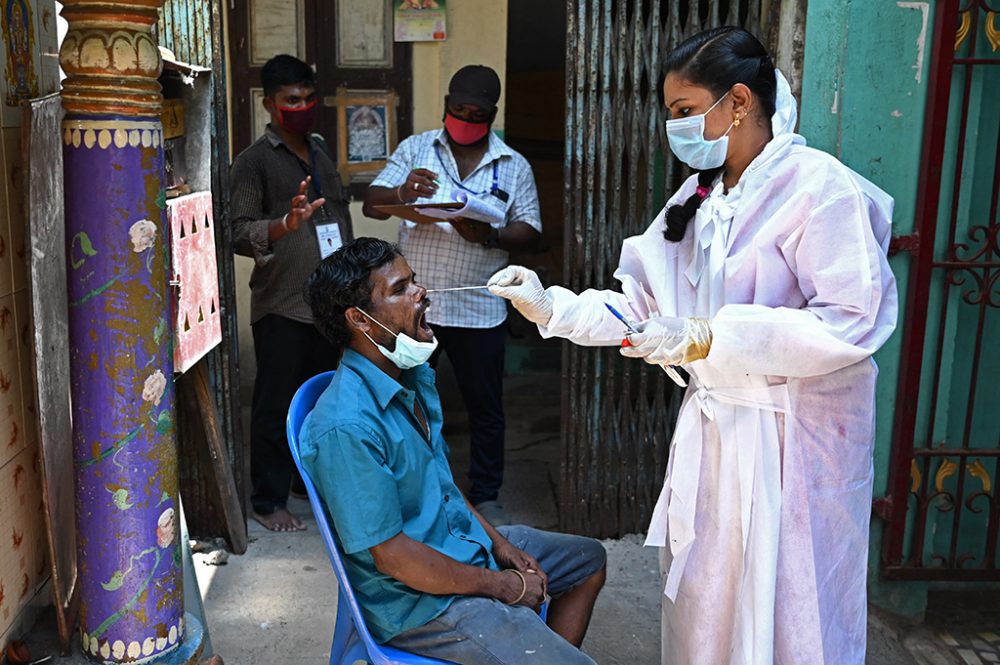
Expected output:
(408, 352)
(688, 142)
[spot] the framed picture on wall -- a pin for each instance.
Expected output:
(366, 132)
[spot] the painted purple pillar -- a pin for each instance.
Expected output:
(125, 448)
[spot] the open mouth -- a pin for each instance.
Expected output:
(423, 327)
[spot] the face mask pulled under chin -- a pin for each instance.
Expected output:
(687, 141)
(297, 120)
(409, 353)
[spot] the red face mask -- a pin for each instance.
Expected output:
(297, 120)
(464, 132)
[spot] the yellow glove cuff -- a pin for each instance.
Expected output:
(699, 337)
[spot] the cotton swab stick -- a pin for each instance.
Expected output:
(457, 288)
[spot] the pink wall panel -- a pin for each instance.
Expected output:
(198, 325)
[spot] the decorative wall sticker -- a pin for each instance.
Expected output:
(19, 40)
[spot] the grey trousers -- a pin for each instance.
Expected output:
(484, 631)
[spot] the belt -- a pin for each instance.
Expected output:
(741, 432)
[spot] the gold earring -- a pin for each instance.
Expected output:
(736, 122)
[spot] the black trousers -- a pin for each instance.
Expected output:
(288, 352)
(477, 354)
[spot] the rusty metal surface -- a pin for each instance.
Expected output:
(42, 146)
(224, 361)
(204, 20)
(618, 416)
(197, 324)
(945, 521)
(185, 27)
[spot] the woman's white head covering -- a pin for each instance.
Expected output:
(785, 113)
(783, 123)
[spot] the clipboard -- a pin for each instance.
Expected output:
(465, 207)
(409, 211)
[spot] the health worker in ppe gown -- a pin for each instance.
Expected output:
(765, 277)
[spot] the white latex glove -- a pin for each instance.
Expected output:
(668, 340)
(522, 287)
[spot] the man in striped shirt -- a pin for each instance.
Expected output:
(465, 157)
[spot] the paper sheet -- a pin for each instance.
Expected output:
(469, 207)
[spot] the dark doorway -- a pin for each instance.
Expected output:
(535, 115)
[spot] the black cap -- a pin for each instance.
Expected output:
(475, 84)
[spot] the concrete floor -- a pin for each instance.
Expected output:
(281, 598)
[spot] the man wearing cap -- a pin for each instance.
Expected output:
(465, 157)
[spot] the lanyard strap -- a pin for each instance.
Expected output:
(496, 175)
(316, 182)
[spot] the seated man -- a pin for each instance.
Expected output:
(431, 575)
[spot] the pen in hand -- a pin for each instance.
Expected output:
(630, 327)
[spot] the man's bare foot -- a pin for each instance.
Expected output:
(214, 660)
(280, 520)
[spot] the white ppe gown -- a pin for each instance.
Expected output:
(764, 514)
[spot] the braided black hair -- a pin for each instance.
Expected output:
(718, 59)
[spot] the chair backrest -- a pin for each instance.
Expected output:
(302, 403)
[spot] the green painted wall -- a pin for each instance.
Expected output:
(863, 99)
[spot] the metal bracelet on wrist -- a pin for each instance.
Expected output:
(524, 585)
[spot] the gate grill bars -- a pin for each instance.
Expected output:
(944, 509)
(618, 416)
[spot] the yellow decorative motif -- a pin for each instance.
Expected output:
(110, 58)
(992, 31)
(977, 470)
(105, 133)
(963, 29)
(915, 475)
(119, 649)
(947, 468)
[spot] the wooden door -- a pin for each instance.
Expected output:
(347, 42)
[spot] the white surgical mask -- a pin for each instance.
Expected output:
(408, 352)
(688, 142)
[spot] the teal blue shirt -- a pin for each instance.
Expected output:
(380, 475)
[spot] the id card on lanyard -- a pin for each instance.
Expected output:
(328, 236)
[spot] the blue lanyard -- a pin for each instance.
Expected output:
(316, 182)
(496, 176)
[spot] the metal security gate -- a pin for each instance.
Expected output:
(943, 510)
(618, 416)
(193, 31)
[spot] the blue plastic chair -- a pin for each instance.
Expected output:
(351, 640)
